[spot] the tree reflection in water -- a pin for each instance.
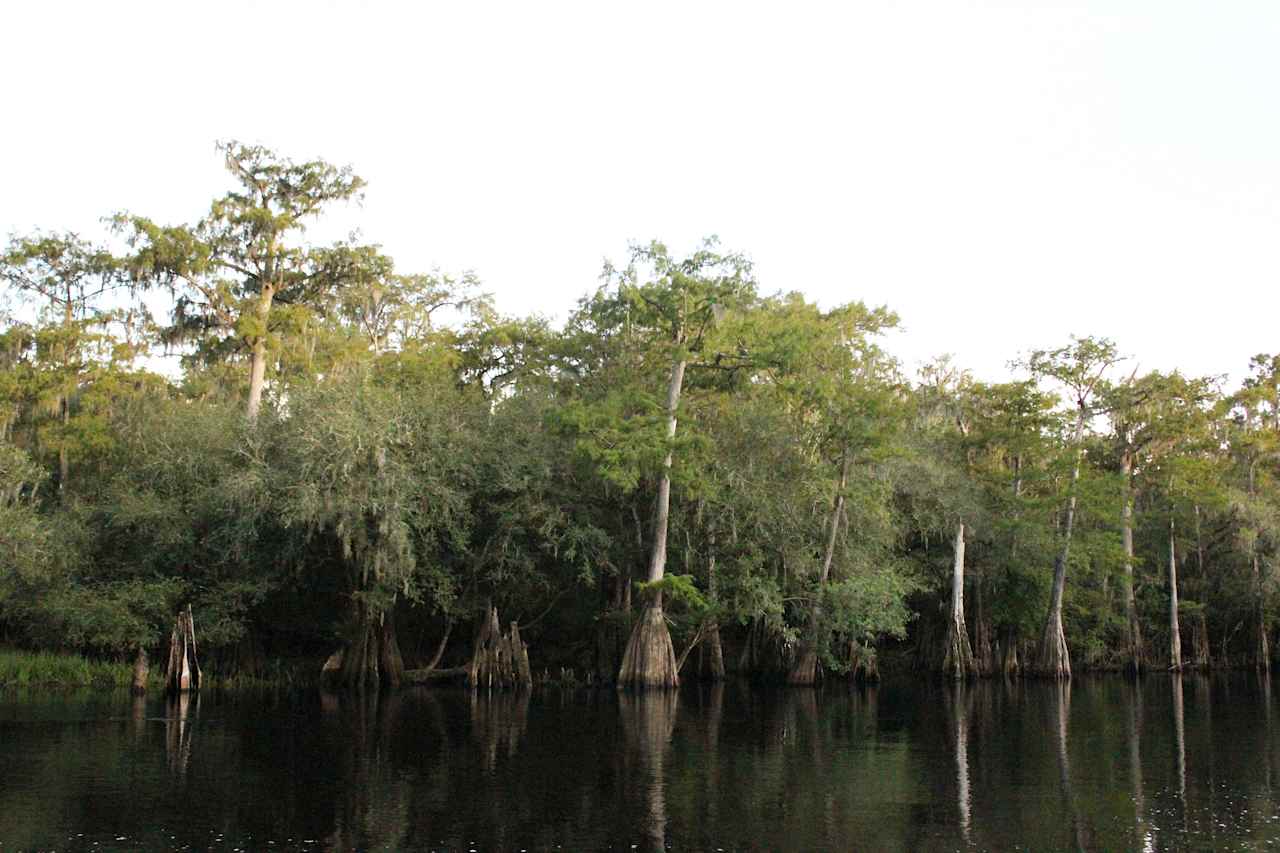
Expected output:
(1097, 764)
(1180, 744)
(1134, 737)
(959, 705)
(648, 720)
(182, 711)
(498, 723)
(1061, 703)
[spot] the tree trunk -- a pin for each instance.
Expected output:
(390, 660)
(1175, 635)
(64, 403)
(183, 670)
(804, 670)
(141, 669)
(444, 642)
(984, 659)
(258, 356)
(658, 555)
(711, 654)
(372, 658)
(358, 664)
(650, 660)
(694, 643)
(863, 664)
(1201, 657)
(1010, 664)
(499, 660)
(1130, 602)
(1200, 653)
(612, 631)
(713, 667)
(1052, 658)
(928, 646)
(64, 467)
(1262, 644)
(957, 659)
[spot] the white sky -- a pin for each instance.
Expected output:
(1001, 174)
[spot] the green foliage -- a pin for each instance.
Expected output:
(421, 456)
(385, 471)
(677, 589)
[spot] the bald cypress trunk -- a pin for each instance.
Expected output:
(258, 354)
(957, 659)
(711, 653)
(499, 660)
(183, 670)
(1262, 643)
(1053, 660)
(804, 670)
(650, 659)
(141, 669)
(1200, 653)
(1130, 602)
(64, 401)
(984, 658)
(372, 657)
(1175, 635)
(1010, 659)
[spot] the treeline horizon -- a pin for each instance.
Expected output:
(687, 478)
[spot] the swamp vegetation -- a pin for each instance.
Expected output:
(691, 476)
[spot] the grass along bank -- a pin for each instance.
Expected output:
(20, 668)
(26, 669)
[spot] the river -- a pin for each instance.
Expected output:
(1100, 764)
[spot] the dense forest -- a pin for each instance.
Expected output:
(691, 476)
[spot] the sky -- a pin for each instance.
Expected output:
(1002, 174)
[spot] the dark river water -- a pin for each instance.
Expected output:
(1104, 764)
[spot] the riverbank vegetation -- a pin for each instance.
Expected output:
(695, 474)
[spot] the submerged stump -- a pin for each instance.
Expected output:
(499, 660)
(182, 673)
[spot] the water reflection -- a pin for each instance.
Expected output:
(1180, 743)
(1061, 703)
(1134, 697)
(959, 707)
(648, 721)
(1097, 764)
(498, 723)
(179, 726)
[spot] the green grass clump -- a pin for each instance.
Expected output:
(35, 669)
(19, 668)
